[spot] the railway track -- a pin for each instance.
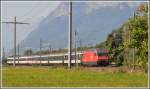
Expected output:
(107, 68)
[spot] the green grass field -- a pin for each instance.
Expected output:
(62, 77)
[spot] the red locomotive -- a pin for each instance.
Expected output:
(95, 57)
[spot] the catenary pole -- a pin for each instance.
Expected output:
(14, 40)
(75, 55)
(18, 52)
(70, 35)
(15, 23)
(40, 50)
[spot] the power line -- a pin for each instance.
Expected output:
(29, 12)
(36, 13)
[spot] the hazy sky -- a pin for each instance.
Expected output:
(25, 11)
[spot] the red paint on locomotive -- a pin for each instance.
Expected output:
(95, 57)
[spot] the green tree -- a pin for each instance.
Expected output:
(138, 27)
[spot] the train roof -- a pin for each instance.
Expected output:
(97, 50)
(49, 55)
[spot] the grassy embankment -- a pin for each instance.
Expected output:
(62, 77)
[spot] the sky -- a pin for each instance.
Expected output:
(31, 12)
(26, 9)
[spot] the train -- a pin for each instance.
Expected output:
(89, 57)
(96, 57)
(44, 59)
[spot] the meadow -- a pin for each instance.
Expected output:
(30, 76)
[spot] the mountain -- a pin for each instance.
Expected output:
(93, 21)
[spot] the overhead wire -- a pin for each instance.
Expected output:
(29, 12)
(37, 14)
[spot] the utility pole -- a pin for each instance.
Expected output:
(3, 60)
(15, 23)
(133, 59)
(50, 49)
(18, 53)
(79, 44)
(40, 50)
(75, 56)
(30, 53)
(70, 35)
(126, 37)
(14, 41)
(129, 49)
(134, 47)
(76, 47)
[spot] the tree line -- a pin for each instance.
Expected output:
(133, 50)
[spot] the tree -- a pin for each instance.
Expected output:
(138, 27)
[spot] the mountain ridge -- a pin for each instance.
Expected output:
(92, 27)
